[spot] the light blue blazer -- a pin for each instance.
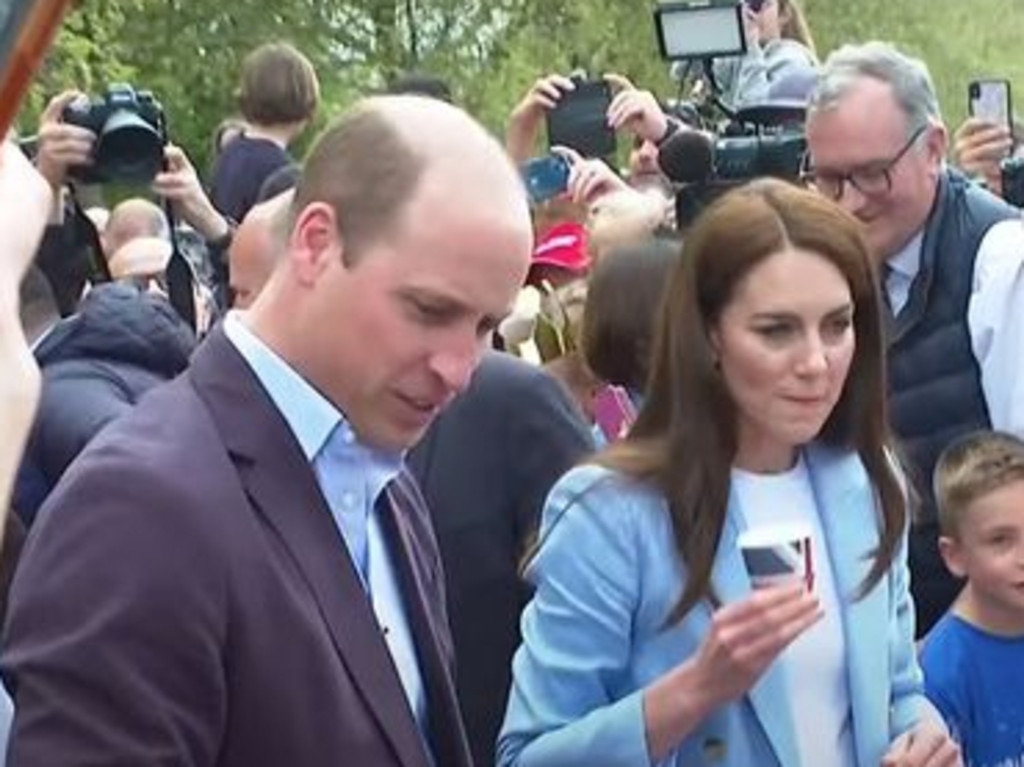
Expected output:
(607, 575)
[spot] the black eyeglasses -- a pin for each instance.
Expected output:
(871, 180)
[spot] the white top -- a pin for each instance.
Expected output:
(815, 664)
(995, 316)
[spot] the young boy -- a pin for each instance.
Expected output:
(278, 97)
(973, 659)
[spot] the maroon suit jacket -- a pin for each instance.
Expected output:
(186, 599)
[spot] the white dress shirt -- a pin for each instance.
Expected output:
(995, 315)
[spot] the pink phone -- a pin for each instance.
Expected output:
(614, 412)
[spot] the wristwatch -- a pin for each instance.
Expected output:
(223, 242)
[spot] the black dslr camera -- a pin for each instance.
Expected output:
(1012, 173)
(130, 133)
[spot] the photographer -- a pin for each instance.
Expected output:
(779, 43)
(67, 254)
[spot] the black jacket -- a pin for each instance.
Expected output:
(486, 466)
(96, 365)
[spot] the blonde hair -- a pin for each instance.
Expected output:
(796, 26)
(973, 467)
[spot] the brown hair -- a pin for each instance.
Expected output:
(684, 440)
(623, 297)
(365, 171)
(972, 467)
(278, 86)
(796, 26)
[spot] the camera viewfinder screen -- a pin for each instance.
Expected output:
(699, 32)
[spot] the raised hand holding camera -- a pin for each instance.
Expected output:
(130, 133)
(62, 145)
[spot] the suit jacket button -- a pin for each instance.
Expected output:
(714, 750)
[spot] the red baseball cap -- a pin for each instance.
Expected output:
(564, 246)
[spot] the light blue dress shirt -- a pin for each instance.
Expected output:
(351, 477)
(901, 273)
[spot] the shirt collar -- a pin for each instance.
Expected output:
(907, 262)
(308, 414)
(314, 421)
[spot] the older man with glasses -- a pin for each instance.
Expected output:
(951, 257)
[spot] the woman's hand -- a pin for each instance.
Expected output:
(927, 745)
(745, 639)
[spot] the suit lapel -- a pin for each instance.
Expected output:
(732, 584)
(282, 486)
(447, 738)
(843, 494)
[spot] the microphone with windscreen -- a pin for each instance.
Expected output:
(688, 157)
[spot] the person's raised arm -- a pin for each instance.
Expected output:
(524, 123)
(25, 199)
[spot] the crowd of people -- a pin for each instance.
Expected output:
(371, 458)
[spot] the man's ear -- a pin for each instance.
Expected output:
(938, 143)
(314, 243)
(952, 555)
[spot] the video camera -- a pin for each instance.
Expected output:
(130, 130)
(763, 140)
(704, 166)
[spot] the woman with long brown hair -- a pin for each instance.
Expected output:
(645, 642)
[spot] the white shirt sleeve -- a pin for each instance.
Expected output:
(995, 317)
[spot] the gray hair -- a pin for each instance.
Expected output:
(908, 77)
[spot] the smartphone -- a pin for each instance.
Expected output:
(580, 120)
(990, 100)
(27, 28)
(546, 177)
(614, 412)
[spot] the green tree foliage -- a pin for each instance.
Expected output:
(189, 51)
(959, 39)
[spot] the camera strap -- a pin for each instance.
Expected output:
(99, 269)
(180, 279)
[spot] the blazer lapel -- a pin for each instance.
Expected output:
(282, 486)
(846, 503)
(732, 584)
(445, 724)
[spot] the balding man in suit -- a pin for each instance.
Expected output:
(241, 572)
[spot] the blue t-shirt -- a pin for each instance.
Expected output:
(976, 680)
